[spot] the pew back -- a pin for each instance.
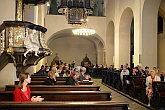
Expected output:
(63, 95)
(58, 88)
(43, 78)
(94, 105)
(57, 83)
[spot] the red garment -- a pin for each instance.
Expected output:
(152, 78)
(19, 95)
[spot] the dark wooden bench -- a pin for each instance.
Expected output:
(158, 94)
(60, 83)
(94, 105)
(58, 88)
(137, 82)
(43, 83)
(57, 83)
(43, 78)
(63, 95)
(138, 87)
(37, 75)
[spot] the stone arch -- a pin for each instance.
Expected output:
(110, 43)
(148, 49)
(124, 36)
(161, 37)
(87, 45)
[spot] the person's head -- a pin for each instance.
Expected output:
(134, 71)
(126, 65)
(76, 75)
(163, 73)
(111, 66)
(124, 68)
(24, 78)
(152, 73)
(146, 68)
(83, 70)
(51, 74)
(42, 67)
(54, 69)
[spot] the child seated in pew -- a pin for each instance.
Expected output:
(22, 90)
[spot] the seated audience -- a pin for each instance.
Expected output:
(125, 79)
(84, 75)
(140, 71)
(162, 77)
(124, 72)
(65, 71)
(149, 80)
(73, 80)
(51, 79)
(147, 71)
(134, 72)
(22, 90)
(42, 71)
(47, 69)
(54, 70)
(59, 70)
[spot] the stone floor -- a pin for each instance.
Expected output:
(119, 97)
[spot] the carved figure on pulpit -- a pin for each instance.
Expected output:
(31, 43)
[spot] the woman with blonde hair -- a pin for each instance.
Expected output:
(51, 79)
(22, 90)
(149, 80)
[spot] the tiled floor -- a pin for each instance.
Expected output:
(118, 97)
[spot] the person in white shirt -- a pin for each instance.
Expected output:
(149, 80)
(125, 71)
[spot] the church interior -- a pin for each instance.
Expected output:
(112, 49)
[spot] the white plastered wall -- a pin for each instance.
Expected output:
(8, 77)
(144, 26)
(161, 39)
(7, 12)
(119, 8)
(57, 23)
(149, 33)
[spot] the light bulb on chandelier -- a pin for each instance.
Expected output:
(83, 31)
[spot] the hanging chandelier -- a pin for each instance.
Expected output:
(83, 31)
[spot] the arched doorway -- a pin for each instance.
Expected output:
(124, 37)
(149, 33)
(70, 47)
(110, 43)
(161, 36)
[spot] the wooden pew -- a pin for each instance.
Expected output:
(94, 105)
(43, 83)
(158, 94)
(138, 87)
(57, 82)
(58, 88)
(63, 95)
(43, 78)
(137, 82)
(60, 83)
